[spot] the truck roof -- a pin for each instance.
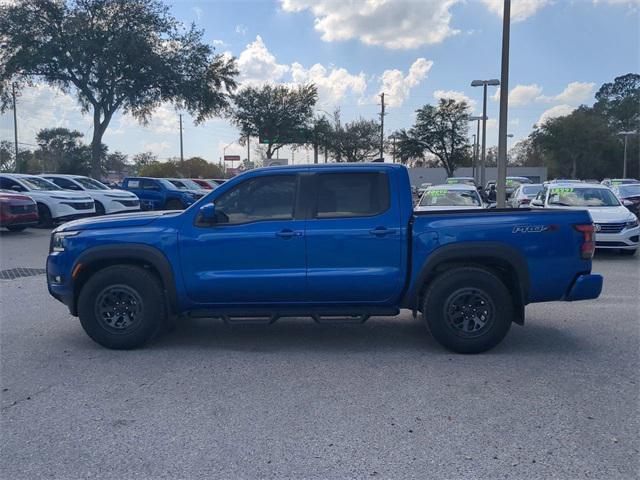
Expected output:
(320, 166)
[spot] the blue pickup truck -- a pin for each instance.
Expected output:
(160, 193)
(338, 243)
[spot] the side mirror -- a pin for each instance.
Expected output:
(537, 203)
(206, 216)
(17, 188)
(627, 203)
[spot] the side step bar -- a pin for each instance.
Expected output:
(325, 315)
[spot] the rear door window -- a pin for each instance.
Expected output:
(353, 194)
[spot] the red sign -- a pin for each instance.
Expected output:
(232, 158)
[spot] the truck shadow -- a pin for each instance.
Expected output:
(378, 335)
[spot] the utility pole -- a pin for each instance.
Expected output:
(501, 181)
(626, 135)
(393, 138)
(382, 126)
(484, 83)
(15, 127)
(181, 151)
(248, 150)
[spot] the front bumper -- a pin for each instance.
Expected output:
(629, 238)
(585, 287)
(59, 281)
(63, 212)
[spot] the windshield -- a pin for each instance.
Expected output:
(190, 184)
(629, 190)
(179, 184)
(531, 190)
(90, 183)
(582, 197)
(37, 183)
(442, 197)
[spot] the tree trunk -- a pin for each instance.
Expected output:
(574, 167)
(315, 152)
(96, 152)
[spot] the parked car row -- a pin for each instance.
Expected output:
(48, 199)
(613, 209)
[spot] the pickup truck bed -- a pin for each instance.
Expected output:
(338, 243)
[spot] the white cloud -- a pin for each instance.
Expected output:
(630, 3)
(520, 9)
(396, 86)
(455, 95)
(197, 11)
(574, 94)
(257, 65)
(164, 119)
(333, 84)
(521, 95)
(554, 112)
(390, 23)
(157, 148)
(219, 43)
(241, 29)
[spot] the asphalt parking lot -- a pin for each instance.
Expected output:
(558, 399)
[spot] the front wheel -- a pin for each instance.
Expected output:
(174, 204)
(121, 307)
(468, 310)
(45, 220)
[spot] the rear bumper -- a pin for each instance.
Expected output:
(585, 287)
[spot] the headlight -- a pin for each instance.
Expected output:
(58, 240)
(632, 223)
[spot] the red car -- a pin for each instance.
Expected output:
(17, 212)
(206, 184)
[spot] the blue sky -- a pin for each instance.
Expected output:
(414, 51)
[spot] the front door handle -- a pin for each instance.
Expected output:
(382, 231)
(287, 233)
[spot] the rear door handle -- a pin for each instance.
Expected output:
(287, 233)
(382, 231)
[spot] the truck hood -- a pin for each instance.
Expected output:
(124, 220)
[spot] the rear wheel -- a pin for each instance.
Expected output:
(174, 204)
(121, 307)
(629, 252)
(468, 310)
(45, 220)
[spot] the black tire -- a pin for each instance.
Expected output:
(45, 220)
(629, 253)
(173, 204)
(16, 228)
(457, 297)
(99, 208)
(129, 322)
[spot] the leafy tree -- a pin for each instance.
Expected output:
(194, 167)
(443, 130)
(61, 150)
(141, 160)
(356, 141)
(619, 102)
(407, 149)
(127, 55)
(7, 163)
(155, 168)
(277, 114)
(579, 145)
(116, 162)
(320, 138)
(526, 154)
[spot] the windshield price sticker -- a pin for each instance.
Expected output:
(562, 190)
(509, 182)
(452, 182)
(437, 193)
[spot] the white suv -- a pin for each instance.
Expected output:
(54, 204)
(107, 200)
(615, 226)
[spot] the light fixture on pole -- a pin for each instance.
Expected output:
(476, 147)
(484, 83)
(624, 164)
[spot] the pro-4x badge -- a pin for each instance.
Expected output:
(531, 228)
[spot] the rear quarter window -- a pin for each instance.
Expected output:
(345, 195)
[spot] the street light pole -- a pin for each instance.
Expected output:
(626, 135)
(15, 126)
(501, 181)
(476, 147)
(484, 84)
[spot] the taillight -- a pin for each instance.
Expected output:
(588, 247)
